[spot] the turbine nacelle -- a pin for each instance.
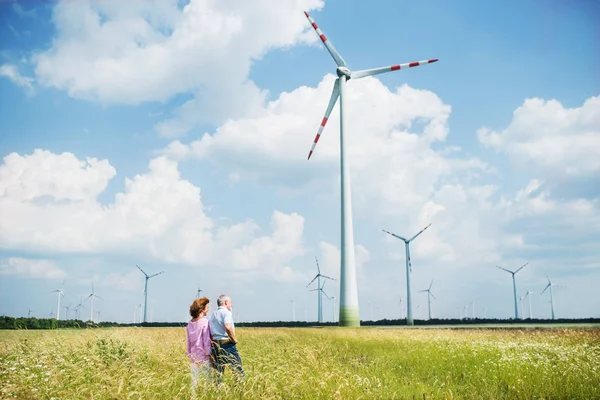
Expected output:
(344, 71)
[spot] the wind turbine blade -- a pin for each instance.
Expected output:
(334, 96)
(329, 298)
(327, 277)
(98, 297)
(318, 269)
(390, 68)
(421, 231)
(422, 291)
(521, 267)
(505, 269)
(151, 276)
(316, 276)
(432, 295)
(336, 56)
(142, 270)
(394, 235)
(431, 284)
(547, 286)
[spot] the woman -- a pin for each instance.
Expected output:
(199, 343)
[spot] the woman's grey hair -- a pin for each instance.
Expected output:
(222, 299)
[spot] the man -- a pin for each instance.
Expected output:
(224, 350)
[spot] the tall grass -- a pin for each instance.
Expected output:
(327, 363)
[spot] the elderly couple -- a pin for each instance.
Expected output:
(211, 343)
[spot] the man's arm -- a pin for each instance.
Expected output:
(230, 332)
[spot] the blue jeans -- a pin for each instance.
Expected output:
(227, 354)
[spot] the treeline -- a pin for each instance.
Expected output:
(52, 323)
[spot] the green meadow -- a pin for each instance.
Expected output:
(307, 363)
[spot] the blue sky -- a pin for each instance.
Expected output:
(195, 119)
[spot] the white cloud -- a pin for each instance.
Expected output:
(60, 177)
(402, 175)
(151, 51)
(12, 72)
(129, 281)
(552, 139)
(380, 122)
(158, 215)
(276, 250)
(32, 268)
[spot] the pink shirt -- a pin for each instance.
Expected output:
(198, 339)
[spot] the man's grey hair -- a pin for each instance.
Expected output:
(222, 300)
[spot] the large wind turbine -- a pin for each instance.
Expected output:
(320, 289)
(146, 288)
(513, 273)
(349, 315)
(549, 285)
(59, 293)
(409, 316)
(429, 296)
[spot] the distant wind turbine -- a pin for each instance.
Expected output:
(334, 308)
(91, 297)
(549, 285)
(513, 273)
(401, 308)
(29, 313)
(320, 289)
(349, 310)
(528, 295)
(199, 290)
(429, 296)
(293, 310)
(67, 308)
(409, 316)
(59, 293)
(521, 298)
(146, 289)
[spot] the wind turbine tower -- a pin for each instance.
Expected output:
(409, 315)
(349, 313)
(429, 296)
(320, 289)
(146, 289)
(549, 285)
(513, 273)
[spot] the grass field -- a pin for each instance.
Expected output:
(291, 363)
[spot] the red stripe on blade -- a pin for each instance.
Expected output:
(323, 38)
(305, 13)
(434, 60)
(309, 154)
(317, 138)
(395, 67)
(314, 24)
(413, 64)
(324, 121)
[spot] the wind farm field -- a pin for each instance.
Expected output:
(315, 363)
